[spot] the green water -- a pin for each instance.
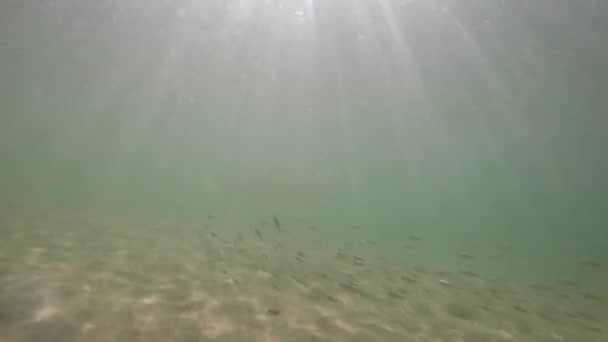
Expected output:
(478, 126)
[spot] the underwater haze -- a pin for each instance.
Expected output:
(307, 170)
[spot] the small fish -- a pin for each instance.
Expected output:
(540, 287)
(583, 315)
(313, 228)
(259, 234)
(348, 286)
(299, 258)
(358, 258)
(590, 327)
(590, 263)
(277, 223)
(299, 280)
(409, 279)
(469, 273)
(341, 255)
(395, 295)
(355, 226)
(505, 246)
(210, 217)
(300, 254)
(354, 289)
(466, 256)
(273, 312)
(591, 296)
(445, 283)
(332, 298)
(570, 282)
(274, 275)
(520, 308)
(414, 237)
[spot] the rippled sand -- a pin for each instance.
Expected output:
(81, 276)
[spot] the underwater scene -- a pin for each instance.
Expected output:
(304, 170)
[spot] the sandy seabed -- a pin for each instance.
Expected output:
(82, 276)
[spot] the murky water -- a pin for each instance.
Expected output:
(312, 170)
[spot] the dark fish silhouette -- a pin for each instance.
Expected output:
(591, 263)
(277, 224)
(466, 256)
